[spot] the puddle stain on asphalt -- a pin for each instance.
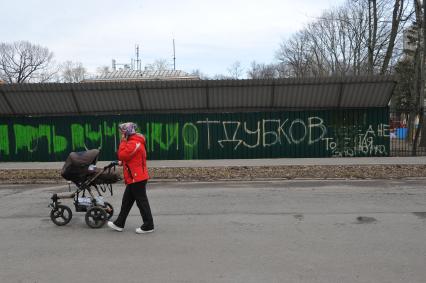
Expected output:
(298, 217)
(421, 215)
(365, 220)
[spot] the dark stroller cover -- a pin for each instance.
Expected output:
(76, 167)
(107, 177)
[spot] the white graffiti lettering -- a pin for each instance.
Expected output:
(257, 132)
(356, 140)
(291, 131)
(362, 143)
(312, 125)
(274, 134)
(269, 132)
(234, 136)
(383, 130)
(281, 131)
(207, 122)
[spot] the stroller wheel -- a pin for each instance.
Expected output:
(109, 210)
(96, 217)
(61, 215)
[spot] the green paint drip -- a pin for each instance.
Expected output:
(190, 141)
(163, 135)
(94, 136)
(4, 139)
(147, 139)
(172, 134)
(156, 130)
(28, 137)
(77, 137)
(110, 131)
(80, 133)
(59, 142)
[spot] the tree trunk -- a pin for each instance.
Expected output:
(372, 33)
(420, 60)
(396, 19)
(422, 127)
(417, 134)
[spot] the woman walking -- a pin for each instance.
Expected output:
(132, 156)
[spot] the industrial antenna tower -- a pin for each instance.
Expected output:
(138, 61)
(174, 56)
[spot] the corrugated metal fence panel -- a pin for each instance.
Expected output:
(173, 98)
(239, 97)
(321, 133)
(365, 95)
(4, 106)
(104, 101)
(38, 99)
(45, 102)
(307, 96)
(227, 95)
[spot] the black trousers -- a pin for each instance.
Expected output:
(135, 192)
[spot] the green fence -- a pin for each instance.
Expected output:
(322, 133)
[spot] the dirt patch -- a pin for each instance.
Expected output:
(245, 173)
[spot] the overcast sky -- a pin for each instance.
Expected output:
(209, 35)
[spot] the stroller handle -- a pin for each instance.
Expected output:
(112, 164)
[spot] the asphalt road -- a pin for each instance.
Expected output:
(287, 231)
(407, 160)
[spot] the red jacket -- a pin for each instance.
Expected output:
(132, 154)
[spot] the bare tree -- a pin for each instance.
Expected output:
(158, 65)
(293, 54)
(397, 19)
(103, 71)
(222, 77)
(235, 70)
(199, 74)
(262, 71)
(72, 72)
(372, 33)
(419, 72)
(22, 62)
(359, 37)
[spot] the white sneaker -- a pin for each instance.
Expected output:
(140, 231)
(114, 227)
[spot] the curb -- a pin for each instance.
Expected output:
(241, 173)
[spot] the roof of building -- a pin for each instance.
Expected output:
(136, 75)
(57, 99)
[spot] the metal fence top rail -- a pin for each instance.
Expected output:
(56, 99)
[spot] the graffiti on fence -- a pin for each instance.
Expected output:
(4, 140)
(359, 142)
(268, 132)
(196, 138)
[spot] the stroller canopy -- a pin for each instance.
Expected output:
(83, 158)
(76, 167)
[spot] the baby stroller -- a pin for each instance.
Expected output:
(80, 168)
